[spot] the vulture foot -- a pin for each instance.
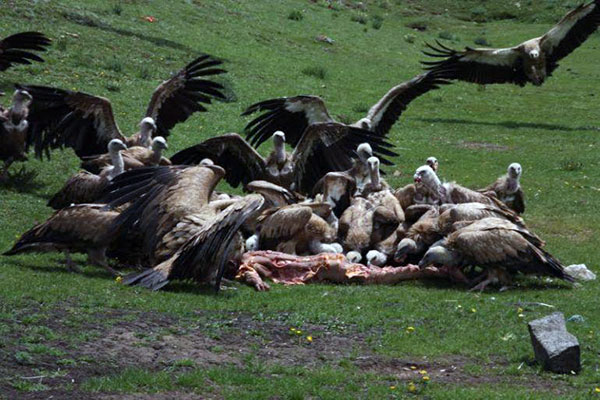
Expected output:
(71, 264)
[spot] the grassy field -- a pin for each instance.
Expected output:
(84, 336)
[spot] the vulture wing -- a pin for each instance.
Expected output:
(291, 115)
(570, 33)
(17, 48)
(329, 146)
(387, 110)
(176, 99)
(477, 65)
(241, 161)
(84, 122)
(283, 223)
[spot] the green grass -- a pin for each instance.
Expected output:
(107, 48)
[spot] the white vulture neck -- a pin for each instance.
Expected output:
(117, 161)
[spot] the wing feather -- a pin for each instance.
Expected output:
(14, 48)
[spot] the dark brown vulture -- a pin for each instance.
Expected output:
(86, 123)
(294, 115)
(531, 61)
(497, 245)
(18, 48)
(322, 148)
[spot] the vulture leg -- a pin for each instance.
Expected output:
(98, 257)
(70, 264)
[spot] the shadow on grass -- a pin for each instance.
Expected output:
(513, 124)
(22, 180)
(57, 267)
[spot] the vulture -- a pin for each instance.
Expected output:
(18, 48)
(294, 115)
(337, 189)
(133, 157)
(498, 246)
(507, 189)
(275, 196)
(433, 163)
(531, 61)
(205, 255)
(456, 214)
(13, 130)
(86, 187)
(86, 122)
(419, 237)
(82, 228)
(321, 149)
(449, 192)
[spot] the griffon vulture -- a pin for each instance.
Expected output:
(507, 189)
(531, 61)
(87, 123)
(294, 115)
(18, 48)
(497, 245)
(14, 137)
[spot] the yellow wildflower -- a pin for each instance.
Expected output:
(393, 387)
(426, 378)
(413, 367)
(473, 310)
(119, 279)
(309, 338)
(521, 315)
(423, 372)
(519, 310)
(597, 390)
(412, 387)
(410, 329)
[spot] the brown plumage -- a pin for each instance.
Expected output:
(494, 244)
(419, 237)
(14, 133)
(80, 228)
(507, 189)
(337, 189)
(18, 48)
(205, 255)
(86, 123)
(531, 61)
(473, 212)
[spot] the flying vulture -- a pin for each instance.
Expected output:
(18, 48)
(86, 187)
(322, 148)
(531, 61)
(507, 189)
(497, 245)
(294, 115)
(86, 123)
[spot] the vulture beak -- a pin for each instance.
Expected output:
(423, 263)
(417, 179)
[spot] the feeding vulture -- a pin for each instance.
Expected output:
(531, 61)
(86, 187)
(87, 123)
(294, 115)
(18, 48)
(507, 189)
(82, 228)
(497, 245)
(14, 136)
(322, 148)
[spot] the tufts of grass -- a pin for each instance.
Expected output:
(359, 17)
(24, 385)
(481, 41)
(114, 65)
(410, 38)
(571, 165)
(112, 87)
(479, 14)
(117, 8)
(418, 25)
(377, 22)
(316, 72)
(447, 36)
(23, 358)
(296, 15)
(144, 72)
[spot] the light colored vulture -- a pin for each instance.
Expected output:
(18, 48)
(85, 187)
(318, 152)
(497, 245)
(507, 189)
(294, 115)
(337, 189)
(82, 228)
(133, 157)
(449, 192)
(531, 61)
(203, 257)
(14, 138)
(86, 122)
(433, 163)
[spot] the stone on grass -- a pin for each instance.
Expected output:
(555, 348)
(580, 272)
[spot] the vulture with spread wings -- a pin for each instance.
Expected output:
(86, 123)
(18, 48)
(531, 61)
(322, 148)
(294, 115)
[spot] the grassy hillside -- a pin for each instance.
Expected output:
(88, 336)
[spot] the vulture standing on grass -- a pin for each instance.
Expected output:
(507, 189)
(531, 61)
(82, 228)
(321, 149)
(456, 214)
(86, 187)
(86, 123)
(294, 115)
(18, 48)
(133, 157)
(497, 245)
(14, 137)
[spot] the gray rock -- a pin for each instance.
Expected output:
(555, 348)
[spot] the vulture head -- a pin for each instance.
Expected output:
(353, 256)
(147, 129)
(384, 224)
(433, 163)
(405, 247)
(515, 170)
(159, 144)
(278, 138)
(363, 123)
(377, 258)
(22, 97)
(440, 255)
(427, 177)
(116, 145)
(364, 151)
(205, 162)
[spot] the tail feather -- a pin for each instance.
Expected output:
(153, 278)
